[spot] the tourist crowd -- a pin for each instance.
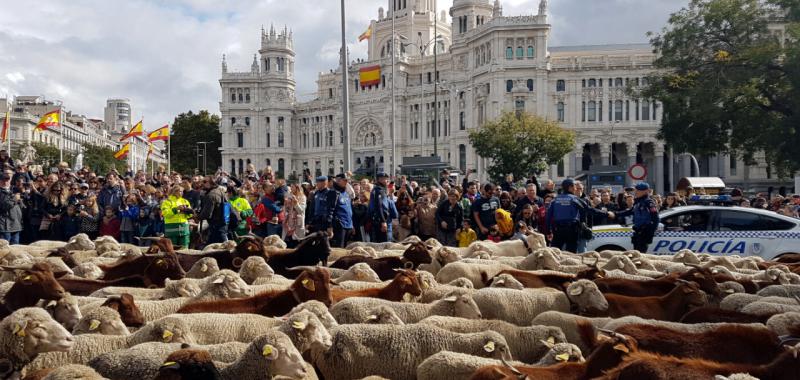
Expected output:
(63, 203)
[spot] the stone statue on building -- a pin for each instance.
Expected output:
(27, 154)
(78, 161)
(542, 7)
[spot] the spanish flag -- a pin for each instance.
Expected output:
(366, 35)
(123, 153)
(369, 76)
(137, 130)
(6, 126)
(159, 134)
(50, 119)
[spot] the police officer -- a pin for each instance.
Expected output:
(324, 204)
(645, 217)
(342, 212)
(381, 210)
(564, 217)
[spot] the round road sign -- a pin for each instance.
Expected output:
(637, 172)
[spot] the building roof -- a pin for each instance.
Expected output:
(600, 48)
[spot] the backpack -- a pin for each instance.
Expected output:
(504, 222)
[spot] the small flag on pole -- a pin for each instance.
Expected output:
(366, 35)
(123, 152)
(50, 119)
(369, 76)
(159, 134)
(6, 126)
(137, 130)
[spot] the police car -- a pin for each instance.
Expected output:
(716, 230)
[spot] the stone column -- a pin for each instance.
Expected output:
(605, 152)
(577, 162)
(725, 162)
(658, 151)
(553, 171)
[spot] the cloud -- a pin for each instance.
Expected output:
(165, 55)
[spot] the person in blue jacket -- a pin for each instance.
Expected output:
(564, 217)
(324, 207)
(645, 217)
(342, 213)
(381, 210)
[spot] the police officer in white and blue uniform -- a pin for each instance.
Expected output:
(342, 212)
(645, 217)
(324, 203)
(564, 217)
(381, 210)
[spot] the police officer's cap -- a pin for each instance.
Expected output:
(382, 175)
(641, 186)
(567, 183)
(341, 176)
(322, 178)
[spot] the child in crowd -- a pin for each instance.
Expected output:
(466, 235)
(156, 223)
(71, 222)
(143, 226)
(494, 234)
(110, 224)
(129, 213)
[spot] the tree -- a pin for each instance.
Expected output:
(49, 155)
(188, 129)
(101, 160)
(521, 144)
(728, 84)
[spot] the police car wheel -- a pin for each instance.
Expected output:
(609, 248)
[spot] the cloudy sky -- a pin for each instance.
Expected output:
(165, 54)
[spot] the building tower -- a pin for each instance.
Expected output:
(117, 115)
(277, 57)
(470, 14)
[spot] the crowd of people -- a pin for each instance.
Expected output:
(63, 203)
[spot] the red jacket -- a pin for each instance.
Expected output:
(111, 228)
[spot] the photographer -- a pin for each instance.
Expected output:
(10, 211)
(176, 211)
(112, 193)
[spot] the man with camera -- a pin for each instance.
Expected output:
(10, 211)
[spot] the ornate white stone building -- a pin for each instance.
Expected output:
(485, 63)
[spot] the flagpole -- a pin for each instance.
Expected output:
(61, 122)
(169, 152)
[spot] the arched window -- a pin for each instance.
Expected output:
(509, 52)
(530, 51)
(247, 121)
(618, 110)
(462, 158)
(520, 52)
(317, 141)
(280, 139)
(268, 143)
(509, 85)
(530, 84)
(247, 95)
(618, 82)
(592, 83)
(560, 111)
(592, 111)
(561, 85)
(281, 167)
(241, 166)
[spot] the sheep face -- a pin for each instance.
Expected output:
(587, 296)
(180, 288)
(311, 331)
(383, 315)
(622, 263)
(542, 258)
(426, 280)
(88, 270)
(104, 321)
(463, 306)
(446, 256)
(318, 309)
(203, 268)
(65, 311)
(686, 256)
(254, 267)
(36, 332)
(280, 357)
(462, 282)
(169, 330)
(506, 281)
(274, 241)
(228, 285)
(80, 242)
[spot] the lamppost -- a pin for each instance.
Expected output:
(205, 144)
(422, 49)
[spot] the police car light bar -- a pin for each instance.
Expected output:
(710, 199)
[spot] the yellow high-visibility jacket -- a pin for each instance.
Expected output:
(169, 209)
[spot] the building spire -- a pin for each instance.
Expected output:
(497, 10)
(254, 66)
(224, 65)
(542, 7)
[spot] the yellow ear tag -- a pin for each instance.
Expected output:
(19, 330)
(267, 351)
(308, 284)
(562, 357)
(551, 340)
(167, 364)
(489, 347)
(26, 278)
(94, 324)
(621, 347)
(298, 325)
(167, 336)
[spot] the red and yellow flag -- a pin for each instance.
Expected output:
(159, 134)
(50, 119)
(137, 130)
(6, 126)
(123, 152)
(369, 76)
(366, 35)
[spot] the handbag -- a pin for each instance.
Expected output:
(586, 232)
(45, 224)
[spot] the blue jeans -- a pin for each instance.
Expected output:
(581, 247)
(217, 234)
(11, 237)
(126, 237)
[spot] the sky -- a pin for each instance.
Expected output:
(165, 55)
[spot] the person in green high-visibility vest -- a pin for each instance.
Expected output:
(176, 211)
(239, 203)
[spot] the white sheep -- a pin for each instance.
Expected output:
(506, 280)
(106, 243)
(27, 333)
(363, 350)
(770, 308)
(738, 301)
(440, 258)
(617, 323)
(455, 304)
(203, 268)
(213, 328)
(514, 247)
(525, 343)
(319, 309)
(73, 372)
(730, 287)
(274, 241)
(474, 272)
(66, 310)
(228, 245)
(88, 270)
(585, 295)
(781, 323)
(383, 315)
(787, 290)
(79, 242)
(357, 272)
(103, 320)
(254, 267)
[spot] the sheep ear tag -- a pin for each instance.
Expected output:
(621, 347)
(551, 340)
(407, 297)
(204, 268)
(171, 365)
(576, 291)
(489, 347)
(730, 291)
(308, 284)
(562, 357)
(218, 280)
(372, 317)
(94, 324)
(297, 325)
(19, 328)
(269, 352)
(167, 336)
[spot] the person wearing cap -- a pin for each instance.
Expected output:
(324, 207)
(342, 224)
(645, 217)
(564, 217)
(381, 210)
(10, 211)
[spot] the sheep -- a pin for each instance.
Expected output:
(19, 345)
(66, 311)
(461, 282)
(577, 330)
(787, 290)
(516, 306)
(363, 251)
(67, 372)
(474, 272)
(525, 343)
(383, 315)
(737, 301)
(441, 257)
(358, 272)
(228, 245)
(103, 320)
(454, 365)
(79, 242)
(730, 287)
(356, 309)
(783, 324)
(105, 244)
(47, 244)
(771, 308)
(319, 309)
(617, 323)
(506, 281)
(253, 268)
(686, 256)
(88, 270)
(361, 350)
(585, 295)
(211, 328)
(203, 268)
(616, 273)
(735, 376)
(180, 288)
(306, 331)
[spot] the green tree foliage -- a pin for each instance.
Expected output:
(49, 155)
(521, 144)
(101, 160)
(188, 129)
(728, 83)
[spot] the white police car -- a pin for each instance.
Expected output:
(716, 230)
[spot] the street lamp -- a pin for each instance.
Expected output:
(205, 144)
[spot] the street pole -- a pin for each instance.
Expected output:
(393, 161)
(345, 98)
(435, 83)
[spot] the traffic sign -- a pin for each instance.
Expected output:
(637, 172)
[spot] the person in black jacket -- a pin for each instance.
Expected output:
(10, 211)
(449, 217)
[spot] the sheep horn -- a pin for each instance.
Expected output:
(682, 281)
(786, 339)
(511, 367)
(303, 267)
